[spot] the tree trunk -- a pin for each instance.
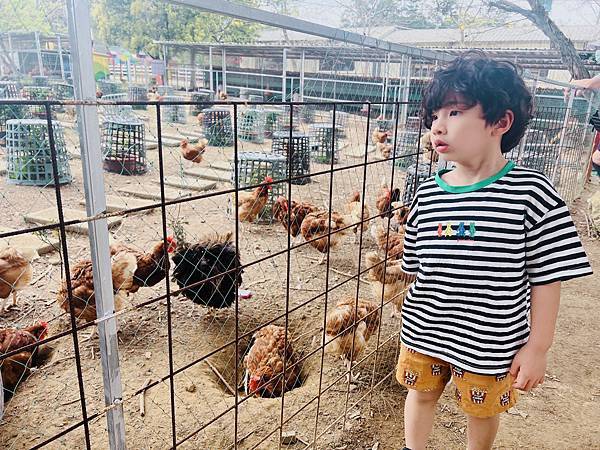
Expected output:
(539, 17)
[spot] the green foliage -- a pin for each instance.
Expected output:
(46, 16)
(463, 14)
(135, 24)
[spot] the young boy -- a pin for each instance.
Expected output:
(489, 243)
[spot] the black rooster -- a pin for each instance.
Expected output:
(207, 259)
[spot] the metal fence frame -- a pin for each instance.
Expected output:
(96, 206)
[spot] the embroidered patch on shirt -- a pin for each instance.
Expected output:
(448, 230)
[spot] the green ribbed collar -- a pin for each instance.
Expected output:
(471, 187)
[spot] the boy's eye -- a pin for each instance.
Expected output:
(434, 117)
(454, 112)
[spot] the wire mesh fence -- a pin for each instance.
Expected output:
(231, 327)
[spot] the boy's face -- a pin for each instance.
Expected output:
(460, 132)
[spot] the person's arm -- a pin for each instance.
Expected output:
(588, 83)
(529, 364)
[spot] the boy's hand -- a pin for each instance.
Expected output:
(528, 367)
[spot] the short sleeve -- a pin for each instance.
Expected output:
(553, 248)
(410, 263)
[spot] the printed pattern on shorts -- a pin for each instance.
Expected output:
(477, 395)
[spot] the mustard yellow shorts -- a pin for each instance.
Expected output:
(477, 395)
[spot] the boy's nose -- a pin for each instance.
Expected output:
(438, 127)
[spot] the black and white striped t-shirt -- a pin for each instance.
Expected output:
(476, 251)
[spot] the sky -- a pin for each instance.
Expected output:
(566, 12)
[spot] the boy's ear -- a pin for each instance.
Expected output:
(503, 125)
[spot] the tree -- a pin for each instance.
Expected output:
(461, 14)
(370, 13)
(539, 17)
(136, 24)
(45, 16)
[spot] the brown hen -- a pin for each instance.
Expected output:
(297, 213)
(388, 280)
(349, 327)
(265, 360)
(316, 225)
(193, 153)
(151, 266)
(15, 274)
(394, 243)
(124, 265)
(251, 204)
(353, 210)
(16, 368)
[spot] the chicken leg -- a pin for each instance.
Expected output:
(322, 260)
(350, 377)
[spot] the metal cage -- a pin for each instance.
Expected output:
(413, 179)
(123, 147)
(109, 87)
(138, 94)
(9, 112)
(28, 154)
(40, 80)
(253, 167)
(217, 126)
(116, 112)
(200, 97)
(406, 148)
(321, 143)
(298, 149)
(165, 90)
(173, 113)
(9, 89)
(37, 93)
(252, 126)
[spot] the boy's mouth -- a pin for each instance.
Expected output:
(440, 146)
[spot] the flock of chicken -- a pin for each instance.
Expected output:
(206, 273)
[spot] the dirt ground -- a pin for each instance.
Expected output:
(563, 413)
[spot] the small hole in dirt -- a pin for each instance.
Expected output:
(222, 371)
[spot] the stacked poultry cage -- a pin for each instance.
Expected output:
(37, 93)
(253, 167)
(9, 89)
(9, 112)
(201, 99)
(40, 80)
(252, 128)
(321, 143)
(124, 146)
(272, 115)
(138, 94)
(109, 87)
(28, 153)
(297, 150)
(63, 91)
(116, 111)
(165, 90)
(217, 126)
(415, 175)
(173, 113)
(341, 123)
(406, 148)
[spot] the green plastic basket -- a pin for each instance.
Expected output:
(29, 160)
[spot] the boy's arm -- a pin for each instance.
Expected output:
(529, 364)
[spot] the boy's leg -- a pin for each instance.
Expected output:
(425, 378)
(419, 411)
(481, 432)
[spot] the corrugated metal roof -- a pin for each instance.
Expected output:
(527, 36)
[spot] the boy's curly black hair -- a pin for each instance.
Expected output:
(496, 85)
